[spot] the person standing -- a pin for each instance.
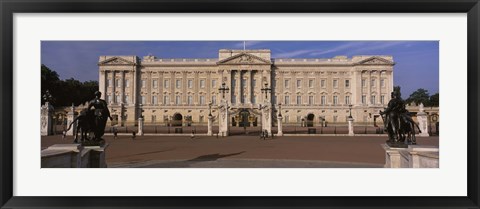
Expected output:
(101, 114)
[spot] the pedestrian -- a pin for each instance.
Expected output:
(133, 134)
(192, 135)
(115, 132)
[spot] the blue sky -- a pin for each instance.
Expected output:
(417, 62)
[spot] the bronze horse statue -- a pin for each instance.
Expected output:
(84, 125)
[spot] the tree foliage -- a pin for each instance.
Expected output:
(66, 92)
(422, 96)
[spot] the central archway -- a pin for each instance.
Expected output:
(177, 119)
(310, 118)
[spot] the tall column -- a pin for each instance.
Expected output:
(160, 87)
(378, 83)
(149, 87)
(172, 87)
(228, 74)
(114, 93)
(134, 88)
(122, 95)
(249, 87)
(369, 90)
(238, 86)
(184, 87)
(196, 86)
(208, 85)
(356, 88)
(103, 83)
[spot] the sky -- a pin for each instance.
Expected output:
(417, 62)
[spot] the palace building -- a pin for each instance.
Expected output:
(309, 91)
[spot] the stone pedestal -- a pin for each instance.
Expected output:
(267, 117)
(223, 120)
(70, 117)
(350, 127)
(46, 120)
(415, 156)
(210, 124)
(74, 156)
(422, 119)
(140, 126)
(279, 123)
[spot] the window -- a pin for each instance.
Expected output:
(117, 98)
(335, 100)
(335, 83)
(155, 84)
(373, 82)
(166, 83)
(154, 118)
(347, 83)
(144, 83)
(214, 83)
(202, 83)
(109, 99)
(109, 82)
(190, 84)
(190, 100)
(254, 82)
(127, 83)
(347, 99)
(287, 84)
(299, 118)
(287, 100)
(299, 83)
(364, 99)
(202, 100)
(127, 99)
(178, 83)
(335, 118)
(117, 81)
(254, 99)
(274, 99)
(382, 99)
(382, 82)
(178, 100)
(214, 99)
(154, 100)
(322, 83)
(372, 98)
(142, 99)
(310, 83)
(310, 100)
(166, 100)
(299, 100)
(364, 83)
(324, 100)
(287, 119)
(234, 99)
(200, 119)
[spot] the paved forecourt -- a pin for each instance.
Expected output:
(243, 151)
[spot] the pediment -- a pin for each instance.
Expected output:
(116, 61)
(376, 61)
(244, 59)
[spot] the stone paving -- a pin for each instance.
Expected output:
(243, 151)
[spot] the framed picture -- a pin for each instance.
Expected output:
(30, 29)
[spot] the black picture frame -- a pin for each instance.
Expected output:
(10, 7)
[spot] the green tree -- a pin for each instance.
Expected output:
(68, 91)
(435, 100)
(419, 96)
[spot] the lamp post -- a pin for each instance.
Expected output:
(266, 90)
(223, 89)
(279, 109)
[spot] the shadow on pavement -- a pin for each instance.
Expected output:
(213, 157)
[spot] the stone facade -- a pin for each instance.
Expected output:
(311, 91)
